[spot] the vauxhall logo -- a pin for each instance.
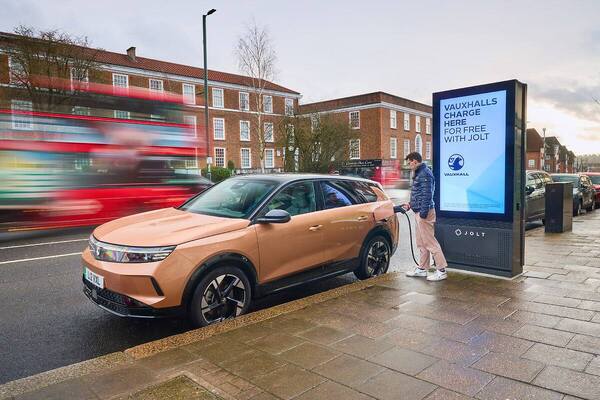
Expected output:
(460, 232)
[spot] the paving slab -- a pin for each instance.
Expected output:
(403, 360)
(309, 355)
(561, 357)
(565, 380)
(455, 377)
(390, 385)
(289, 381)
(348, 370)
(510, 366)
(502, 389)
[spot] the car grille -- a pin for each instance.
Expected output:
(105, 298)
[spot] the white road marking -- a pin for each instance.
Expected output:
(40, 258)
(43, 244)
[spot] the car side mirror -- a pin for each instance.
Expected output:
(274, 217)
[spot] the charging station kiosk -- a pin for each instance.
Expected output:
(479, 169)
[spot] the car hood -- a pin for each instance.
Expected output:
(165, 227)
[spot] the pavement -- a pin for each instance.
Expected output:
(391, 337)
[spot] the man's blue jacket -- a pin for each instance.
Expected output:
(421, 196)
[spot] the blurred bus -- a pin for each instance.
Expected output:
(114, 154)
(387, 172)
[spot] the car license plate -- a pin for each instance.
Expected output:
(93, 278)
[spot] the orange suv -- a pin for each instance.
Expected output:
(243, 238)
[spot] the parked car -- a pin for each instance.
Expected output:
(535, 195)
(242, 238)
(584, 195)
(595, 178)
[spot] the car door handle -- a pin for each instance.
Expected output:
(315, 228)
(362, 218)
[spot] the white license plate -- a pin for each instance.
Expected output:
(93, 278)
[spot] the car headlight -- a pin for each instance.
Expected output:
(125, 254)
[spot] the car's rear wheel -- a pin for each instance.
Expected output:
(374, 257)
(592, 206)
(222, 294)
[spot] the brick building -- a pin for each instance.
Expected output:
(232, 134)
(535, 144)
(389, 126)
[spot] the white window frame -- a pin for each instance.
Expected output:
(191, 120)
(352, 147)
(116, 83)
(215, 120)
(393, 119)
(160, 85)
(189, 98)
(266, 103)
(406, 148)
(393, 148)
(289, 106)
(270, 139)
(428, 126)
(406, 121)
(245, 95)
(249, 165)
(117, 115)
(531, 163)
(85, 82)
(272, 158)
(419, 144)
(12, 68)
(242, 138)
(428, 150)
(217, 158)
(79, 110)
(22, 122)
(218, 98)
(417, 124)
(357, 119)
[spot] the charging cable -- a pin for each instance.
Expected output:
(400, 209)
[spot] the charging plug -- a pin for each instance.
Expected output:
(399, 209)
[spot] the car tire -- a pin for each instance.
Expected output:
(224, 293)
(577, 210)
(592, 206)
(543, 221)
(374, 257)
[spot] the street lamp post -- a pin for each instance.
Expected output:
(208, 157)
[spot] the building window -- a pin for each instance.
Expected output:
(428, 126)
(79, 78)
(418, 144)
(393, 120)
(355, 119)
(406, 148)
(217, 98)
(355, 149)
(314, 122)
(78, 110)
(189, 93)
(393, 147)
(22, 119)
(244, 101)
(428, 150)
(245, 160)
(289, 106)
(245, 131)
(219, 157)
(531, 163)
(291, 140)
(269, 158)
(18, 75)
(269, 132)
(267, 104)
(219, 128)
(120, 80)
(190, 120)
(119, 114)
(406, 121)
(417, 123)
(155, 85)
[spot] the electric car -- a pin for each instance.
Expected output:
(535, 195)
(584, 195)
(242, 238)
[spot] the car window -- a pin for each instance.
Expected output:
(333, 197)
(364, 190)
(298, 198)
(539, 182)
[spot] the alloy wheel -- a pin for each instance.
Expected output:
(378, 258)
(224, 298)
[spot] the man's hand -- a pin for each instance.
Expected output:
(406, 206)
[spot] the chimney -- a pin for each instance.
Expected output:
(131, 53)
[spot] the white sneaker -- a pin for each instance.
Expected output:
(437, 276)
(417, 272)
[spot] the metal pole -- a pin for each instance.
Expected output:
(206, 99)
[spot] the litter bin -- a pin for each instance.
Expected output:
(559, 207)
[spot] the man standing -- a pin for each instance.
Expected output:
(421, 202)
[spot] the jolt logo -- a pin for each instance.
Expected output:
(456, 162)
(460, 232)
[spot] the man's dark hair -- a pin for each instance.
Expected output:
(414, 156)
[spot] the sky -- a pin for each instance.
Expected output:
(336, 48)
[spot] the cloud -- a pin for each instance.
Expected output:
(579, 100)
(590, 134)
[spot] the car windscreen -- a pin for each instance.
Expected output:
(574, 179)
(232, 198)
(595, 179)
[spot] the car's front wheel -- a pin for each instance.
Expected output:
(374, 257)
(223, 293)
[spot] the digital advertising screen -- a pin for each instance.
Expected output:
(472, 153)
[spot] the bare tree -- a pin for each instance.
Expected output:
(256, 59)
(52, 67)
(313, 143)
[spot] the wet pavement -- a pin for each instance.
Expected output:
(394, 337)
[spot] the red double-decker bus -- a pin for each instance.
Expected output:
(115, 153)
